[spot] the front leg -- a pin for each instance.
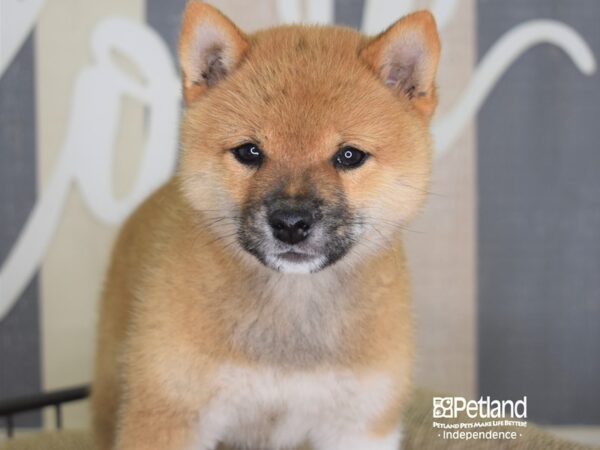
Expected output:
(364, 424)
(166, 399)
(153, 424)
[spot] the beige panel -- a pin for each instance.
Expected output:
(74, 265)
(441, 251)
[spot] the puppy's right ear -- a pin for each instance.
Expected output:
(210, 47)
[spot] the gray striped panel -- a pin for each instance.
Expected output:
(20, 330)
(539, 220)
(349, 12)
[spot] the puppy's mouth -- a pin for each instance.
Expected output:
(294, 261)
(296, 257)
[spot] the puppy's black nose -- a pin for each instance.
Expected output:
(290, 226)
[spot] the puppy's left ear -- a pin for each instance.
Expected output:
(405, 57)
(210, 48)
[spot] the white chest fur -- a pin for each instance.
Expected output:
(267, 409)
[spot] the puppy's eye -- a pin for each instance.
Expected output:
(349, 158)
(248, 154)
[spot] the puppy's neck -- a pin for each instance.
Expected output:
(303, 320)
(292, 319)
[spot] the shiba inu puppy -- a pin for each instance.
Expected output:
(260, 300)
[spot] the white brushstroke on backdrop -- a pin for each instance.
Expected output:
(320, 11)
(306, 11)
(96, 107)
(289, 11)
(17, 19)
(377, 14)
(446, 129)
(87, 154)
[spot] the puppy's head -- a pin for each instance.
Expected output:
(301, 145)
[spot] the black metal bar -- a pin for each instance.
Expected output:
(9, 426)
(32, 402)
(10, 407)
(58, 416)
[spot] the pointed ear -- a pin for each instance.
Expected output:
(210, 47)
(406, 56)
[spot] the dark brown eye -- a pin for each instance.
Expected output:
(248, 154)
(349, 158)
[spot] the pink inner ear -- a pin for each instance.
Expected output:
(403, 66)
(205, 56)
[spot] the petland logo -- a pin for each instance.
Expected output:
(484, 408)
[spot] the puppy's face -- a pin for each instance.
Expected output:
(304, 145)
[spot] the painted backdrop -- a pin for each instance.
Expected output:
(505, 258)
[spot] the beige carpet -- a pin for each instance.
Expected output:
(419, 435)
